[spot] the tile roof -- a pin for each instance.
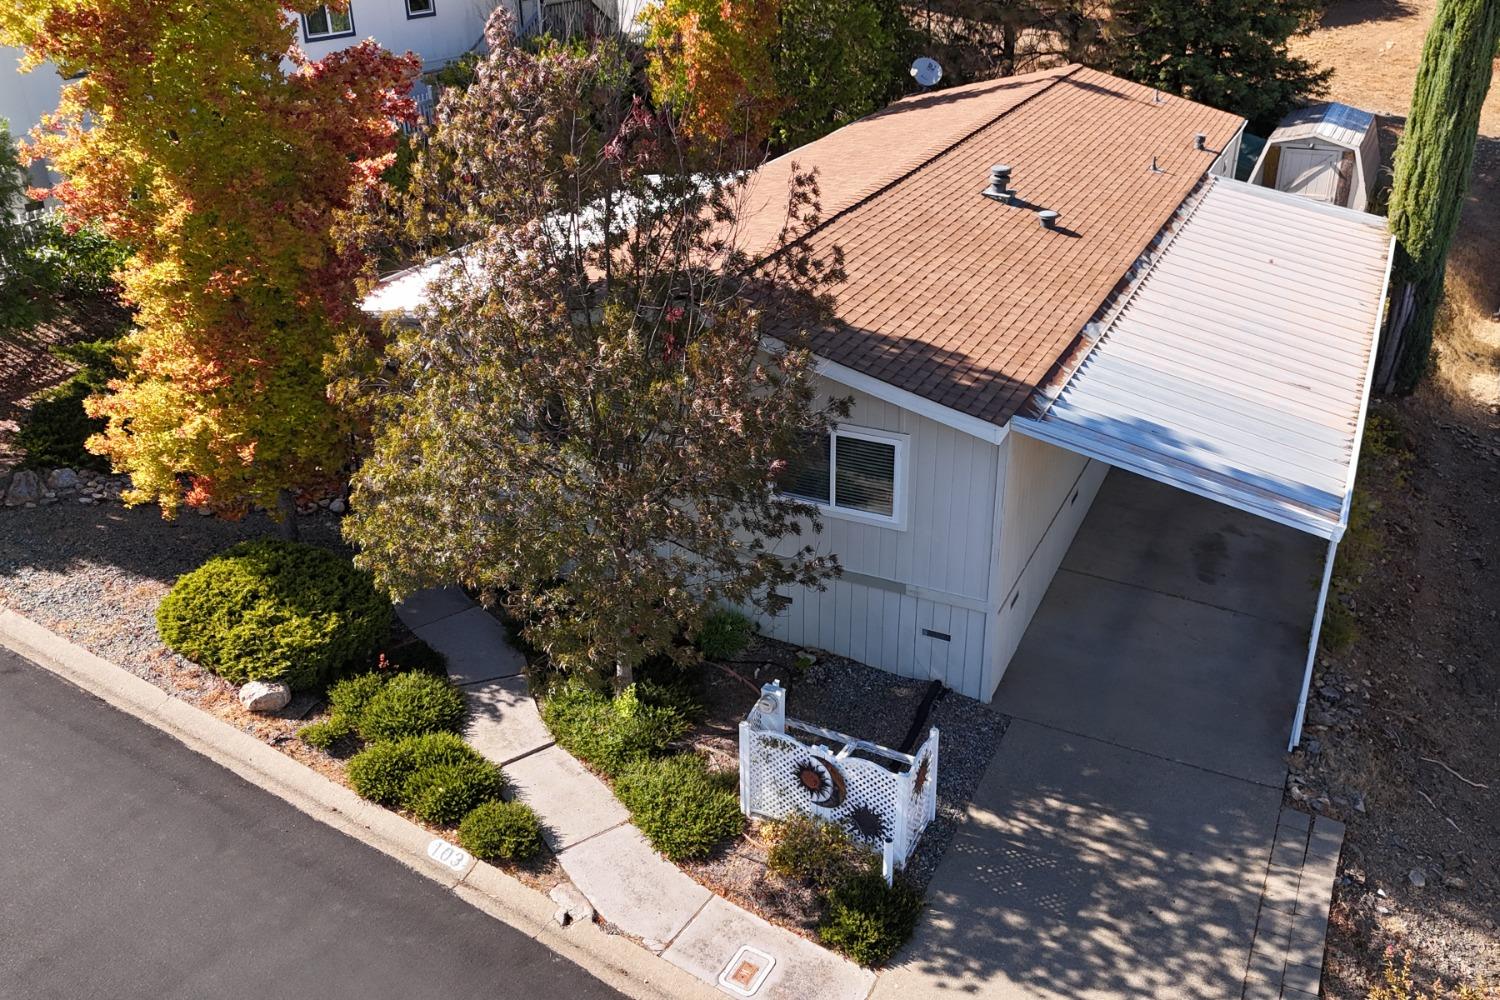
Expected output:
(960, 299)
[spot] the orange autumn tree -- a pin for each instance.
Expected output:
(200, 137)
(711, 60)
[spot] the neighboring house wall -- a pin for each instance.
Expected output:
(26, 97)
(453, 28)
(1047, 493)
(933, 573)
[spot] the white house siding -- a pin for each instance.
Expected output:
(934, 574)
(25, 97)
(456, 28)
(1047, 493)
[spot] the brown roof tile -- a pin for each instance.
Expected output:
(958, 298)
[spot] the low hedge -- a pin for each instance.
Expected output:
(411, 704)
(611, 733)
(379, 771)
(446, 793)
(819, 854)
(501, 831)
(381, 706)
(868, 920)
(683, 809)
(273, 610)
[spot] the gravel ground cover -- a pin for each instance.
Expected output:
(840, 694)
(95, 574)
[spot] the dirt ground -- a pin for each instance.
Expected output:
(1407, 717)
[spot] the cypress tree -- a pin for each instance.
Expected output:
(1432, 168)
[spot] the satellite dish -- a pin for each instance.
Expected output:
(926, 71)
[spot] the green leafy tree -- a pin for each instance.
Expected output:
(784, 70)
(584, 418)
(1226, 53)
(985, 39)
(1433, 163)
(836, 61)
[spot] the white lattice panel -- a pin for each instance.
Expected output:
(886, 801)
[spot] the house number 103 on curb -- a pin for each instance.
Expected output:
(448, 854)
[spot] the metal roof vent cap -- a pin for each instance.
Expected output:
(999, 188)
(1048, 218)
(1200, 141)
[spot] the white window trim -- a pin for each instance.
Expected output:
(308, 36)
(897, 518)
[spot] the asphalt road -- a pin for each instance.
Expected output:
(132, 867)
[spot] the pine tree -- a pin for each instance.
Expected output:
(1226, 53)
(1432, 168)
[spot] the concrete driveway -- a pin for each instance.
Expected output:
(1118, 845)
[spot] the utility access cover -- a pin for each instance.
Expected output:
(746, 971)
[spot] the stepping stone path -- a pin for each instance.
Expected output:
(607, 858)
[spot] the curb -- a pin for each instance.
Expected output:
(616, 961)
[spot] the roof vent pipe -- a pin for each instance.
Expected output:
(999, 188)
(1200, 141)
(1048, 218)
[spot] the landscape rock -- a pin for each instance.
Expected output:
(25, 488)
(62, 479)
(265, 696)
(572, 905)
(1417, 877)
(336, 505)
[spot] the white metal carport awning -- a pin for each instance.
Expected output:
(1239, 366)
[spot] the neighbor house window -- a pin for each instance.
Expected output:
(421, 8)
(853, 472)
(327, 22)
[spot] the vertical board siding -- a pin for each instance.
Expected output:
(1038, 479)
(1033, 538)
(946, 547)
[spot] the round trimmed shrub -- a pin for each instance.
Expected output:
(610, 733)
(501, 831)
(445, 793)
(272, 610)
(817, 853)
(350, 696)
(379, 771)
(409, 705)
(325, 734)
(683, 809)
(868, 920)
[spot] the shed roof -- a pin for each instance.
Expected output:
(1239, 366)
(1333, 122)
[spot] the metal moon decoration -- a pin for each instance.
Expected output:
(824, 784)
(926, 71)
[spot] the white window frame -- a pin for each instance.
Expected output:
(308, 36)
(897, 518)
(430, 12)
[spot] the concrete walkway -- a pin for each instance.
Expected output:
(1124, 842)
(604, 856)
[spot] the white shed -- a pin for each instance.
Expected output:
(1328, 152)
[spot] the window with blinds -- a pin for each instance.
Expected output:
(849, 470)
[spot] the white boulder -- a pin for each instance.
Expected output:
(265, 696)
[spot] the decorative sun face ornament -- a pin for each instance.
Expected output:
(824, 784)
(866, 822)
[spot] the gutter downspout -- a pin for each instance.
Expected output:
(1312, 646)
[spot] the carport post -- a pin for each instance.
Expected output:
(1312, 645)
